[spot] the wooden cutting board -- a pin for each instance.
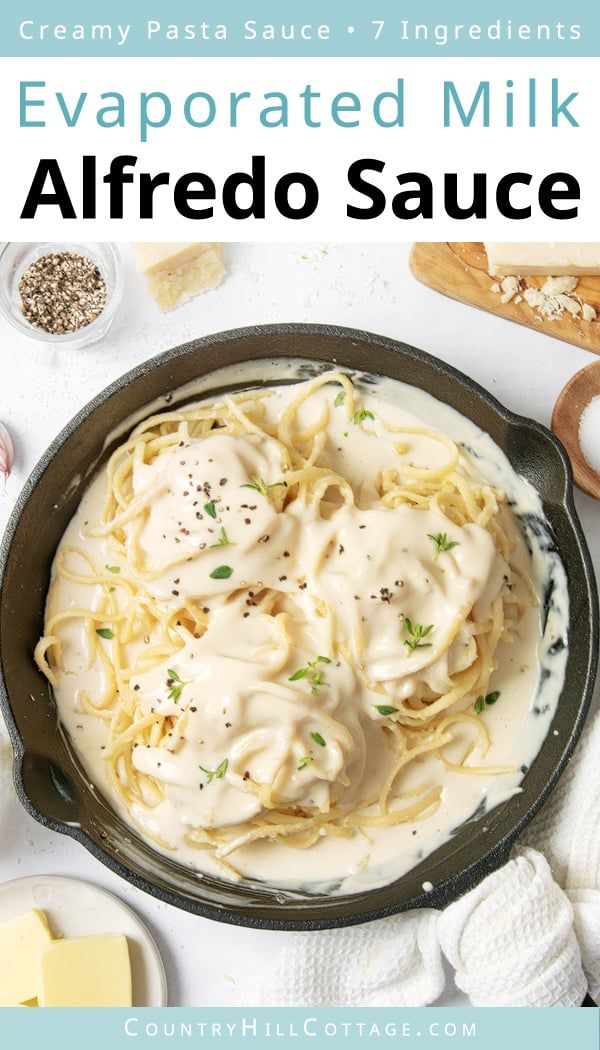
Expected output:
(459, 269)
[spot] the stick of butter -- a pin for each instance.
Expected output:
(86, 971)
(21, 941)
(507, 259)
(177, 272)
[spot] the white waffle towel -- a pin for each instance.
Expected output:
(396, 962)
(511, 940)
(528, 935)
(567, 832)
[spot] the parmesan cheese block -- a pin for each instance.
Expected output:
(506, 259)
(86, 971)
(177, 272)
(21, 941)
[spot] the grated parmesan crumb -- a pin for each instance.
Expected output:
(558, 285)
(534, 298)
(551, 301)
(510, 286)
(570, 305)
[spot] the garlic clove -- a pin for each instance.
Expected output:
(6, 452)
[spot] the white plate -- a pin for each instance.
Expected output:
(75, 909)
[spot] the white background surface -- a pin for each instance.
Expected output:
(365, 286)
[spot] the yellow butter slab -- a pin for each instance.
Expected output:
(21, 941)
(86, 971)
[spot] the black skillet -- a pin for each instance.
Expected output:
(49, 780)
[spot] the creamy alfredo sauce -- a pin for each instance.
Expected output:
(373, 567)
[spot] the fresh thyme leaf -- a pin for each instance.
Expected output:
(112, 568)
(489, 699)
(316, 681)
(386, 709)
(316, 677)
(297, 675)
(318, 739)
(340, 399)
(416, 632)
(176, 683)
(304, 762)
(218, 773)
(260, 485)
(105, 632)
(223, 540)
(363, 413)
(222, 572)
(210, 508)
(441, 542)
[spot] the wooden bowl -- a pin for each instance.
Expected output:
(571, 404)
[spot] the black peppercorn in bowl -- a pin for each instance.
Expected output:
(50, 780)
(60, 293)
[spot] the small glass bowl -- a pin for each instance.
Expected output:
(16, 258)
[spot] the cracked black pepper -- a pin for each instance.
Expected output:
(62, 292)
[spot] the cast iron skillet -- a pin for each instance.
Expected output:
(49, 780)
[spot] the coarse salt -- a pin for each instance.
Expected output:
(589, 433)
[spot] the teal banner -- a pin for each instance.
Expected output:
(326, 28)
(239, 1029)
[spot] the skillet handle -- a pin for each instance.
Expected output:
(51, 791)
